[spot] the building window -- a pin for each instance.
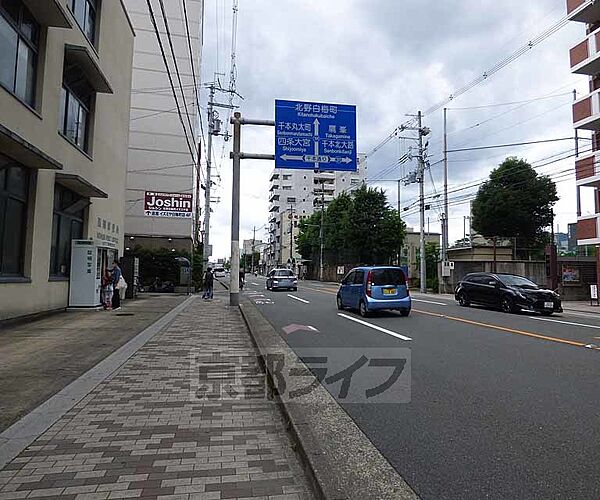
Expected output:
(85, 13)
(67, 225)
(14, 196)
(291, 199)
(75, 104)
(287, 177)
(19, 35)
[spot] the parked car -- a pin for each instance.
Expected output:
(219, 272)
(371, 289)
(509, 292)
(282, 278)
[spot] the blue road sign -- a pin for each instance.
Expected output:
(315, 136)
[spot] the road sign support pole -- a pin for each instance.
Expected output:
(423, 260)
(236, 155)
(234, 281)
(322, 232)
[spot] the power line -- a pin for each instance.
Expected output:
(164, 57)
(479, 148)
(170, 40)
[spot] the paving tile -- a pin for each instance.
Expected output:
(149, 431)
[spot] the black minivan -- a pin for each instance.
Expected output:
(509, 292)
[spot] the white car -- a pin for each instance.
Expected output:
(219, 272)
(282, 278)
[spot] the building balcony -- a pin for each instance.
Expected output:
(588, 230)
(587, 169)
(273, 197)
(273, 187)
(274, 208)
(583, 11)
(586, 112)
(585, 57)
(274, 176)
(324, 176)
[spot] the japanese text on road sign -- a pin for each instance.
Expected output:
(315, 136)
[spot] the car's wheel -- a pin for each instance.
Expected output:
(404, 312)
(508, 305)
(362, 309)
(295, 289)
(463, 300)
(340, 305)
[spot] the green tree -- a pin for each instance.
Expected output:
(361, 228)
(515, 202)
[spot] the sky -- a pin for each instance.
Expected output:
(392, 58)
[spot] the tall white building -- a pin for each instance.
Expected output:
(297, 194)
(159, 157)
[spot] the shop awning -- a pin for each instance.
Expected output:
(79, 185)
(48, 13)
(81, 57)
(13, 145)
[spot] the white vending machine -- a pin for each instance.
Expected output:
(89, 261)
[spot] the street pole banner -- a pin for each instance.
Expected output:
(174, 205)
(315, 136)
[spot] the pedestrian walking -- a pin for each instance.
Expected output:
(242, 279)
(116, 277)
(208, 284)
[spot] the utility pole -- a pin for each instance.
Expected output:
(399, 181)
(445, 215)
(421, 179)
(207, 188)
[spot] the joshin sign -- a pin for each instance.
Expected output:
(177, 205)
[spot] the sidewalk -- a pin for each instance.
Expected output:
(41, 357)
(580, 306)
(144, 432)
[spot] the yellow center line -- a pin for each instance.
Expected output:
(484, 325)
(505, 329)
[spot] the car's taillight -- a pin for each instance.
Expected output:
(369, 284)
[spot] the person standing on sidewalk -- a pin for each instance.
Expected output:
(116, 276)
(208, 284)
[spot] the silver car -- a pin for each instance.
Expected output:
(278, 279)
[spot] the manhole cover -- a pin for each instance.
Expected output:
(124, 314)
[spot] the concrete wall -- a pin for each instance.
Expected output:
(104, 167)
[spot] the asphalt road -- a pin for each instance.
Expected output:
(501, 406)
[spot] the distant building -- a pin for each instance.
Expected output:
(302, 192)
(411, 249)
(248, 245)
(159, 157)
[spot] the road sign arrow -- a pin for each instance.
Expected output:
(316, 123)
(299, 328)
(287, 157)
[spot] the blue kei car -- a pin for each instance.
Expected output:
(369, 289)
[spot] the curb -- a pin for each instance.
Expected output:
(339, 459)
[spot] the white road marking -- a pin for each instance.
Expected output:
(597, 327)
(375, 327)
(430, 302)
(298, 298)
(255, 284)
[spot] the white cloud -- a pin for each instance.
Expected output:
(391, 58)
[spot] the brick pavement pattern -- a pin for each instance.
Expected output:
(150, 432)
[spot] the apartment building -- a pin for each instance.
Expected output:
(65, 84)
(297, 194)
(585, 60)
(162, 149)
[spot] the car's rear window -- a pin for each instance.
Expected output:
(389, 276)
(284, 273)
